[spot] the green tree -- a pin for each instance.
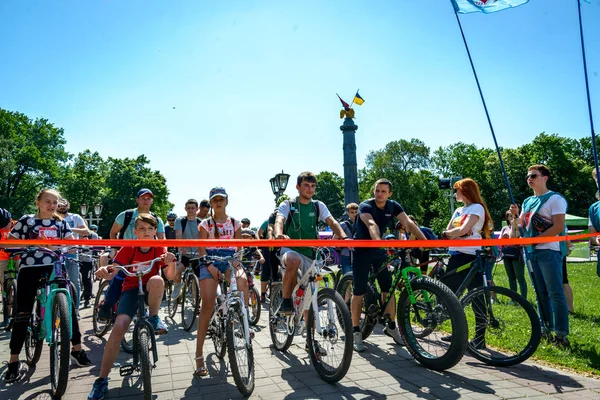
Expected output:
(124, 179)
(30, 159)
(330, 190)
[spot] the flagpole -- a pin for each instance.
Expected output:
(353, 98)
(526, 258)
(587, 90)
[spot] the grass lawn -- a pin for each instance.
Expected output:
(584, 354)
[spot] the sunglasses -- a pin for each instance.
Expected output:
(171, 220)
(531, 176)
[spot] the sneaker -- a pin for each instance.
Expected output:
(176, 292)
(395, 334)
(99, 389)
(446, 338)
(86, 304)
(157, 324)
(561, 342)
(286, 310)
(358, 342)
(80, 358)
(319, 350)
(104, 314)
(15, 371)
(547, 337)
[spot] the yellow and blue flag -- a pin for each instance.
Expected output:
(485, 6)
(358, 100)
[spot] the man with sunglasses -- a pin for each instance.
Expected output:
(543, 215)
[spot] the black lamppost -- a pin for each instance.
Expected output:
(447, 184)
(278, 184)
(97, 211)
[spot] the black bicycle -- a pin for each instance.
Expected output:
(424, 305)
(189, 297)
(504, 328)
(145, 354)
(9, 294)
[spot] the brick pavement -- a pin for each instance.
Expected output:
(383, 371)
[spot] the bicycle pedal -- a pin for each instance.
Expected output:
(126, 370)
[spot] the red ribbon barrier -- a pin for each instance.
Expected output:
(296, 243)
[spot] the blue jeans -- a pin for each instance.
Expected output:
(72, 265)
(345, 264)
(547, 269)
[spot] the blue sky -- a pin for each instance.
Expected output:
(229, 93)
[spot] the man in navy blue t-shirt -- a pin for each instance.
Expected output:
(374, 216)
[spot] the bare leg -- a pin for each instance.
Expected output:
(356, 306)
(111, 350)
(208, 291)
(155, 287)
(569, 296)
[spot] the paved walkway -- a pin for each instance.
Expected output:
(383, 371)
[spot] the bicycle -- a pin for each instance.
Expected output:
(425, 307)
(229, 328)
(189, 297)
(101, 328)
(9, 294)
(253, 293)
(496, 316)
(55, 326)
(334, 344)
(143, 341)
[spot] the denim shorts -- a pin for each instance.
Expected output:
(128, 304)
(222, 266)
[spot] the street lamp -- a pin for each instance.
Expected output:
(278, 184)
(448, 184)
(97, 211)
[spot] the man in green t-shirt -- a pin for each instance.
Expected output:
(298, 219)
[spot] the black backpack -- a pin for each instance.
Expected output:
(232, 223)
(184, 221)
(350, 225)
(127, 221)
(292, 204)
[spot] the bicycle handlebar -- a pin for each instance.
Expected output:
(139, 272)
(33, 249)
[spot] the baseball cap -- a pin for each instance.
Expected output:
(5, 217)
(94, 227)
(145, 191)
(217, 191)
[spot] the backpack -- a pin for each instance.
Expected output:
(428, 232)
(184, 221)
(230, 218)
(351, 227)
(290, 217)
(127, 221)
(534, 208)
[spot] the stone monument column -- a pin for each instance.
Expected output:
(348, 129)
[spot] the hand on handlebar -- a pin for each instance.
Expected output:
(215, 273)
(168, 257)
(282, 236)
(104, 273)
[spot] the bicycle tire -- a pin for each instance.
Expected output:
(60, 345)
(145, 352)
(367, 322)
(331, 337)
(254, 306)
(9, 305)
(127, 341)
(218, 336)
(171, 303)
(444, 309)
(243, 375)
(100, 328)
(516, 314)
(329, 278)
(277, 323)
(33, 342)
(191, 296)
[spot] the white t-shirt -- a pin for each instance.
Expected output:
(555, 205)
(75, 221)
(226, 230)
(459, 218)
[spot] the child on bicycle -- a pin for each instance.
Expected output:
(217, 226)
(153, 284)
(45, 224)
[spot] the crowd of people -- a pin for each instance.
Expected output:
(540, 215)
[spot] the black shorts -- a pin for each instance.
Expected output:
(270, 269)
(363, 262)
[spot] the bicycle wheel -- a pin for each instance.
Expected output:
(33, 341)
(330, 350)
(253, 306)
(218, 335)
(145, 354)
(282, 335)
(443, 314)
(127, 341)
(100, 328)
(345, 288)
(496, 330)
(9, 305)
(171, 303)
(59, 347)
(190, 301)
(241, 355)
(329, 278)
